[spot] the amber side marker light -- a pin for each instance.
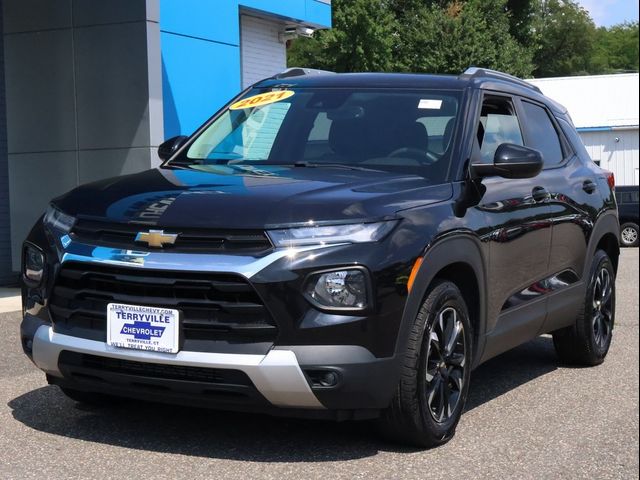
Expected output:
(414, 273)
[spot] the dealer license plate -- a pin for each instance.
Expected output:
(143, 328)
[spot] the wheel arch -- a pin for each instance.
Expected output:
(605, 237)
(458, 259)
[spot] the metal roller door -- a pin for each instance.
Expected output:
(262, 52)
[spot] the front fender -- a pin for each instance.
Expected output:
(461, 248)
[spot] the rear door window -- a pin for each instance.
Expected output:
(542, 134)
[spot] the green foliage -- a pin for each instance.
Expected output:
(414, 35)
(361, 39)
(566, 38)
(521, 37)
(448, 40)
(616, 49)
(521, 16)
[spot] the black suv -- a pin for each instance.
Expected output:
(627, 198)
(346, 246)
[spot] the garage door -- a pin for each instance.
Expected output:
(263, 55)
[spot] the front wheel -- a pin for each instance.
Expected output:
(435, 375)
(588, 340)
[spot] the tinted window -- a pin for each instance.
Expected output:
(440, 130)
(498, 124)
(573, 139)
(542, 135)
(386, 129)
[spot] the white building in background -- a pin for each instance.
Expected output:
(604, 109)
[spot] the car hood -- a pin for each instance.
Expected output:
(250, 197)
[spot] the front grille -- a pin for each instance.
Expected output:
(153, 370)
(213, 306)
(122, 235)
(158, 382)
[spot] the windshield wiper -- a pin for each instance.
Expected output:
(334, 165)
(212, 161)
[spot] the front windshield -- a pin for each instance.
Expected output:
(374, 129)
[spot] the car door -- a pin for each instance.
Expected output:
(518, 228)
(574, 199)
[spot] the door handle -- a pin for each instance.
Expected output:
(589, 187)
(539, 194)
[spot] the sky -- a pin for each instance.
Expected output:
(610, 12)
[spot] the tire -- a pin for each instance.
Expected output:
(417, 415)
(89, 398)
(629, 234)
(587, 342)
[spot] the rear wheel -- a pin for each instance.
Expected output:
(629, 234)
(435, 374)
(588, 340)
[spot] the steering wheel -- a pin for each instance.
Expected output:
(425, 157)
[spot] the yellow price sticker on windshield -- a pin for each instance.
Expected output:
(261, 99)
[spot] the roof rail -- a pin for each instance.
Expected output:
(299, 72)
(477, 72)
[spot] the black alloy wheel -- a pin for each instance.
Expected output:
(446, 360)
(587, 341)
(435, 373)
(602, 313)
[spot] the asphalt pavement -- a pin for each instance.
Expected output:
(528, 416)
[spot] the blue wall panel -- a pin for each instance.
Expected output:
(306, 11)
(198, 76)
(318, 13)
(294, 9)
(213, 20)
(200, 42)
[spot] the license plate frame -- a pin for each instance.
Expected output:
(141, 327)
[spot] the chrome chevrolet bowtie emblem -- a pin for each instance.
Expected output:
(157, 238)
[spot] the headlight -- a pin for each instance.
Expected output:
(339, 289)
(58, 221)
(33, 264)
(321, 235)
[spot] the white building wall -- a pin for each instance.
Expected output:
(262, 52)
(615, 150)
(604, 108)
(596, 100)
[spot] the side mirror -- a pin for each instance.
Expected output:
(169, 147)
(511, 161)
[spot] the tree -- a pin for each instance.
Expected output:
(521, 17)
(566, 35)
(436, 36)
(361, 39)
(475, 32)
(615, 49)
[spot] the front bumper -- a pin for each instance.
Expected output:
(276, 375)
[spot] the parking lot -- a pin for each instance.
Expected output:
(527, 417)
